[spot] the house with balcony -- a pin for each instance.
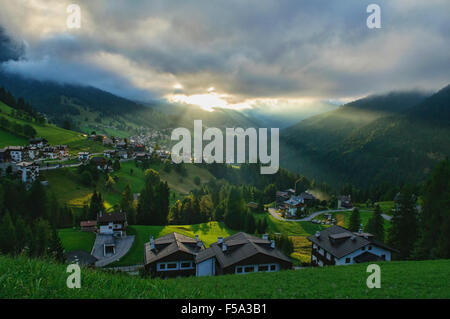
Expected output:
(339, 246)
(241, 253)
(112, 224)
(172, 255)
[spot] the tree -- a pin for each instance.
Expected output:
(86, 178)
(96, 205)
(41, 238)
(116, 165)
(404, 231)
(197, 180)
(435, 215)
(56, 247)
(7, 234)
(23, 235)
(127, 204)
(109, 184)
(355, 220)
(375, 225)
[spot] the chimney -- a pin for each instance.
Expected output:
(318, 234)
(152, 243)
(219, 240)
(265, 237)
(224, 247)
(199, 243)
(272, 243)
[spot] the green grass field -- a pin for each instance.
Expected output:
(208, 233)
(24, 278)
(54, 135)
(8, 139)
(74, 239)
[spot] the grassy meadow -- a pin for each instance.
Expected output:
(24, 278)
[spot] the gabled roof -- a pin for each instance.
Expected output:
(366, 257)
(339, 241)
(113, 217)
(240, 246)
(169, 244)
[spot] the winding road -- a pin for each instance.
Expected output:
(309, 218)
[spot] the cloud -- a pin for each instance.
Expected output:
(246, 50)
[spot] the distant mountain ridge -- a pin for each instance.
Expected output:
(395, 138)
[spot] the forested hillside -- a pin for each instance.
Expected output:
(395, 138)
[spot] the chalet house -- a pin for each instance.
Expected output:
(281, 197)
(38, 142)
(339, 246)
(89, 226)
(50, 152)
(33, 152)
(345, 201)
(294, 204)
(121, 145)
(163, 155)
(141, 156)
(83, 156)
(28, 171)
(14, 153)
(241, 253)
(61, 150)
(307, 198)
(123, 154)
(139, 148)
(107, 141)
(100, 163)
(110, 153)
(172, 255)
(112, 224)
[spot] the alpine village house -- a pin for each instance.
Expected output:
(339, 246)
(178, 255)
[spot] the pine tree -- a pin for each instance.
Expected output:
(404, 231)
(435, 215)
(355, 220)
(375, 225)
(7, 234)
(56, 247)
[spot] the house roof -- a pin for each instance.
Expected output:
(169, 244)
(307, 196)
(339, 241)
(240, 246)
(88, 223)
(366, 257)
(113, 217)
(84, 258)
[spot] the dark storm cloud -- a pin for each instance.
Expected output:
(248, 49)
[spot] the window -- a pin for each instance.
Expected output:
(249, 268)
(263, 268)
(370, 248)
(383, 257)
(186, 265)
(172, 266)
(162, 266)
(347, 260)
(364, 248)
(239, 270)
(273, 267)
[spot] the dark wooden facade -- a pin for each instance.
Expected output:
(257, 259)
(177, 256)
(322, 258)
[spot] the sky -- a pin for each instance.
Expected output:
(234, 53)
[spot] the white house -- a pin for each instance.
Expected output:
(15, 153)
(339, 246)
(83, 156)
(28, 171)
(112, 224)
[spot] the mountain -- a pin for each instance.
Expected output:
(87, 108)
(283, 115)
(395, 138)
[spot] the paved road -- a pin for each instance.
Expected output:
(272, 211)
(123, 245)
(48, 168)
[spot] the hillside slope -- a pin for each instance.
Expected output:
(22, 278)
(395, 138)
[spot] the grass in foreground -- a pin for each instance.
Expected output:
(24, 278)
